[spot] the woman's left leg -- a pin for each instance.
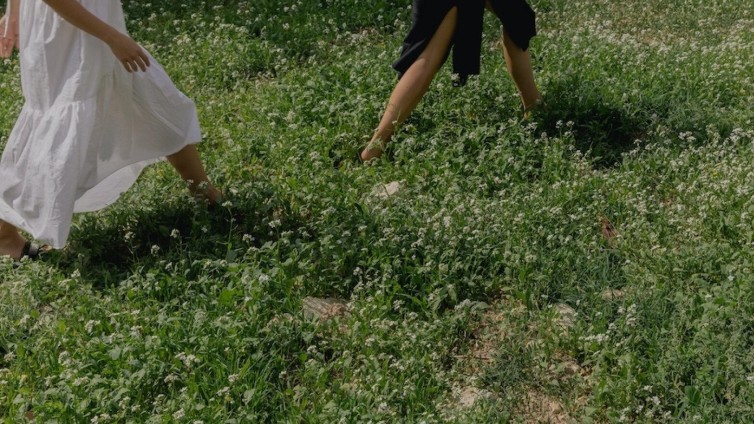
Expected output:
(519, 66)
(188, 164)
(520, 69)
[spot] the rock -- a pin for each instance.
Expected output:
(384, 191)
(611, 294)
(323, 309)
(567, 316)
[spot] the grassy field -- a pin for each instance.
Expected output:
(594, 265)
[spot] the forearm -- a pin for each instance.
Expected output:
(77, 15)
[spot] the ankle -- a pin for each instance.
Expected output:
(206, 192)
(532, 103)
(373, 149)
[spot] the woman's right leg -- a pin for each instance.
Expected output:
(11, 241)
(412, 86)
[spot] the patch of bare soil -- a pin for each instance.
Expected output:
(495, 328)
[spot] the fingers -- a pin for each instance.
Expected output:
(6, 43)
(137, 63)
(143, 61)
(6, 47)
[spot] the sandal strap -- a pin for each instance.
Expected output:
(32, 250)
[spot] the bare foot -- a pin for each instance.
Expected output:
(373, 150)
(207, 192)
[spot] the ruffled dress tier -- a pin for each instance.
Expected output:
(87, 128)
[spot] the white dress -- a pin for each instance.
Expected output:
(87, 128)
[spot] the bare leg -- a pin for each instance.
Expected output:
(189, 166)
(412, 86)
(519, 66)
(11, 242)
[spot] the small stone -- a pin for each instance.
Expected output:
(611, 294)
(384, 191)
(567, 315)
(323, 309)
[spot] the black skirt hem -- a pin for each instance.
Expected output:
(516, 16)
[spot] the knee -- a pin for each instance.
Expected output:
(426, 68)
(509, 44)
(423, 64)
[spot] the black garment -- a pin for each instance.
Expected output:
(427, 15)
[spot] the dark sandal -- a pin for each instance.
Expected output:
(219, 205)
(532, 112)
(33, 251)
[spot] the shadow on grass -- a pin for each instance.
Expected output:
(107, 251)
(605, 130)
(608, 126)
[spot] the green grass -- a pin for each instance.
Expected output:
(159, 311)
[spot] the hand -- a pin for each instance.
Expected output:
(7, 43)
(129, 53)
